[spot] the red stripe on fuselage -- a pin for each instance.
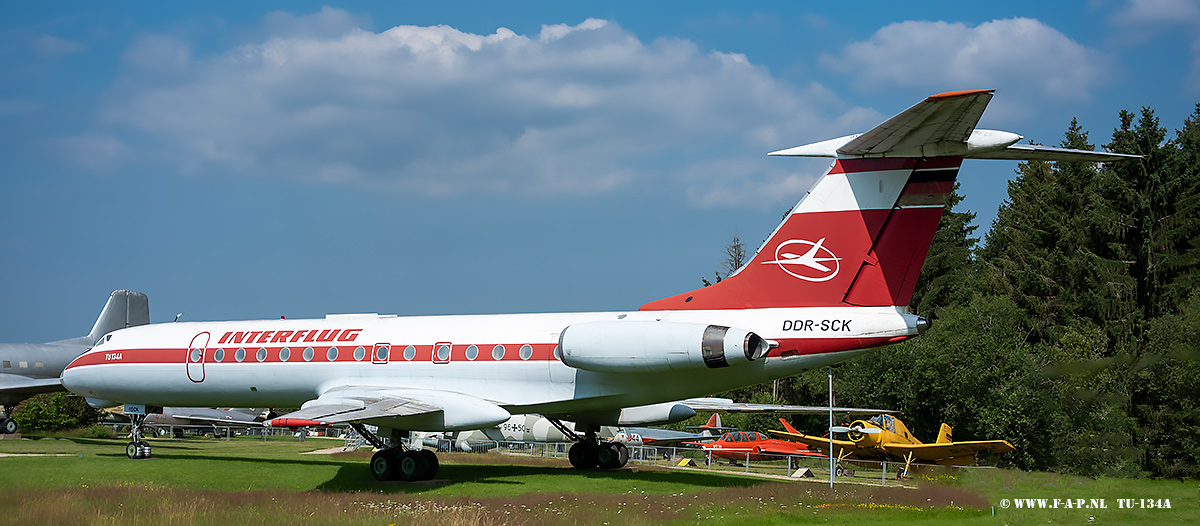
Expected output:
(424, 353)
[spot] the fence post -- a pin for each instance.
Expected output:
(883, 475)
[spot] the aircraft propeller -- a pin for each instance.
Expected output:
(855, 433)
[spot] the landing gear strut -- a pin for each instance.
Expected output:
(589, 453)
(137, 448)
(398, 462)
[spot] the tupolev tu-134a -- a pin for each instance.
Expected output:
(832, 281)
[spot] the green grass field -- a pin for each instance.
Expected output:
(249, 480)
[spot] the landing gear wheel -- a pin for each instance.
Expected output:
(137, 449)
(412, 466)
(583, 455)
(608, 456)
(624, 454)
(9, 426)
(432, 460)
(383, 464)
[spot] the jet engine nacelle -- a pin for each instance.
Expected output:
(655, 346)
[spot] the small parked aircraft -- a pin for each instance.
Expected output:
(27, 369)
(179, 417)
(833, 280)
(885, 437)
(752, 445)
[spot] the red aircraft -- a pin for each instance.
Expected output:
(750, 445)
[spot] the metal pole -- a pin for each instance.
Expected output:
(831, 426)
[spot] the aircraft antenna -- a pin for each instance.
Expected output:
(177, 317)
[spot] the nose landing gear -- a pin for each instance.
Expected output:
(137, 448)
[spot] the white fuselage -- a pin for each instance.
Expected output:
(197, 363)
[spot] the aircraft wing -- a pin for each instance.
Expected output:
(949, 453)
(725, 405)
(653, 436)
(217, 419)
(23, 386)
(814, 442)
(413, 409)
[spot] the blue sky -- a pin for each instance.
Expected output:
(257, 159)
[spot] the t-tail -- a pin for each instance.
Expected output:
(860, 236)
(125, 308)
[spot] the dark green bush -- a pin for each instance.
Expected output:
(54, 412)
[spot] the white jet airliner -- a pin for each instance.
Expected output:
(862, 234)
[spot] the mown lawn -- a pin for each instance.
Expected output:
(248, 480)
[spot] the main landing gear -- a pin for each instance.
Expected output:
(589, 453)
(137, 448)
(398, 462)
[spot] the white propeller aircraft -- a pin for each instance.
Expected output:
(863, 231)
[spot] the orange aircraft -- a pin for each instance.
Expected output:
(885, 437)
(751, 445)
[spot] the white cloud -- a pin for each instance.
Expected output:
(1143, 20)
(94, 152)
(49, 46)
(575, 109)
(1019, 55)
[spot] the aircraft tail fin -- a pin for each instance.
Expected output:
(125, 308)
(860, 236)
(944, 434)
(714, 422)
(788, 427)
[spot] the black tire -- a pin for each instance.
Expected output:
(624, 454)
(9, 426)
(608, 456)
(383, 464)
(412, 466)
(583, 455)
(432, 460)
(132, 451)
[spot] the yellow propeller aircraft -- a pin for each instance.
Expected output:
(885, 437)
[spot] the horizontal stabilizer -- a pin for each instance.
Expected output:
(1029, 152)
(942, 125)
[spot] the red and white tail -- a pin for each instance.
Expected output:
(860, 236)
